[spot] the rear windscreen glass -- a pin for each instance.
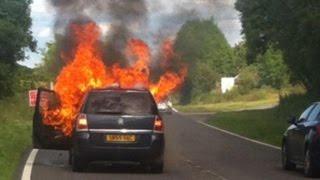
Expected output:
(123, 103)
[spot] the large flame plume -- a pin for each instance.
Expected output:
(87, 71)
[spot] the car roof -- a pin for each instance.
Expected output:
(115, 89)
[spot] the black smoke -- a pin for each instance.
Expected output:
(150, 20)
(123, 15)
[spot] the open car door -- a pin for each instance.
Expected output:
(44, 136)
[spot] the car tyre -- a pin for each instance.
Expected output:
(78, 163)
(309, 166)
(70, 157)
(286, 163)
(157, 166)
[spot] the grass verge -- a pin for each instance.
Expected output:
(229, 106)
(266, 125)
(256, 124)
(15, 133)
(256, 99)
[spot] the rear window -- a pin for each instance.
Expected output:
(123, 103)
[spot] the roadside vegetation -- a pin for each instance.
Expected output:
(266, 125)
(15, 80)
(280, 51)
(260, 125)
(15, 132)
(233, 101)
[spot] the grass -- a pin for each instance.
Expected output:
(266, 125)
(262, 125)
(15, 133)
(272, 100)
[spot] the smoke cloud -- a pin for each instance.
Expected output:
(169, 15)
(152, 21)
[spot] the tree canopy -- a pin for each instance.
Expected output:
(15, 37)
(205, 49)
(293, 26)
(15, 34)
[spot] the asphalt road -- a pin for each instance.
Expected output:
(193, 151)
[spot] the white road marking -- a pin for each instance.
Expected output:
(239, 136)
(175, 110)
(26, 174)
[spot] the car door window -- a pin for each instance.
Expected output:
(314, 115)
(306, 113)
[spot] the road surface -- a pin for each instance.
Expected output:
(193, 151)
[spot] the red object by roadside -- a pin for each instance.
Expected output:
(32, 98)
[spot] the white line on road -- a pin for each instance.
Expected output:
(26, 174)
(175, 110)
(239, 136)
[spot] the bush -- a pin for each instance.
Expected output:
(203, 79)
(15, 132)
(6, 80)
(235, 96)
(295, 103)
(272, 69)
(248, 79)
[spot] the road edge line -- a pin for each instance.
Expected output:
(239, 136)
(175, 110)
(27, 170)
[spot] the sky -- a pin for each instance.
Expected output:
(42, 24)
(228, 20)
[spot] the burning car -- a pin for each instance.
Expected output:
(112, 125)
(62, 120)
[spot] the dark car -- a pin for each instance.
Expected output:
(114, 125)
(301, 142)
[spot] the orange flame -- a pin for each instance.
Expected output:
(87, 71)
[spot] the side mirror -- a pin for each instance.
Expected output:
(292, 120)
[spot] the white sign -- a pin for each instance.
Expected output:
(227, 83)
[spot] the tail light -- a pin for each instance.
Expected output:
(82, 123)
(158, 124)
(317, 134)
(318, 130)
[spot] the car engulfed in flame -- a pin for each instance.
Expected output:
(87, 70)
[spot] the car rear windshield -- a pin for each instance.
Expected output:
(122, 103)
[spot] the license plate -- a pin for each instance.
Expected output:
(121, 138)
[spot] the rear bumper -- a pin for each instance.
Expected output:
(85, 149)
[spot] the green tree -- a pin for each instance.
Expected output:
(15, 37)
(49, 67)
(25, 79)
(6, 80)
(248, 79)
(205, 49)
(292, 26)
(240, 56)
(204, 78)
(273, 71)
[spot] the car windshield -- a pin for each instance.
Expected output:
(122, 103)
